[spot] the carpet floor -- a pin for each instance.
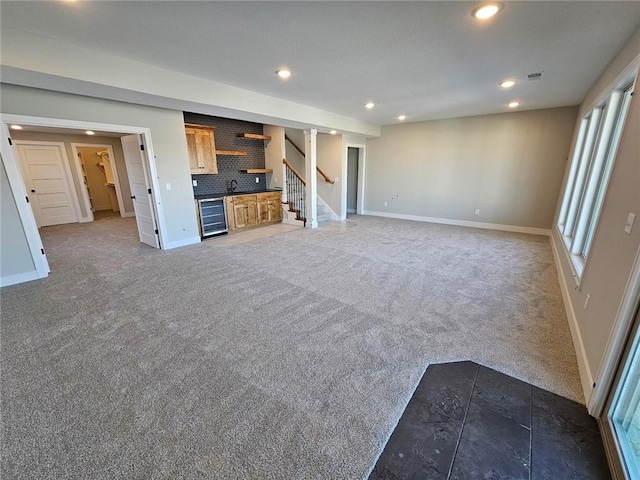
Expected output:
(291, 355)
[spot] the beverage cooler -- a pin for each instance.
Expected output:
(213, 219)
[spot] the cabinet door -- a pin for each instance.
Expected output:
(239, 215)
(202, 149)
(231, 221)
(272, 203)
(252, 211)
(194, 166)
(264, 213)
(275, 209)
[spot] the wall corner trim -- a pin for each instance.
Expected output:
(462, 223)
(182, 243)
(586, 378)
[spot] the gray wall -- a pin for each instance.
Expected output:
(292, 155)
(68, 139)
(510, 166)
(167, 136)
(15, 257)
(329, 160)
(613, 251)
(274, 152)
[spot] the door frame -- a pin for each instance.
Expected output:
(19, 192)
(362, 153)
(116, 179)
(67, 171)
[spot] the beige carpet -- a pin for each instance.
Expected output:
(288, 355)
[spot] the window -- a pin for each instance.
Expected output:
(594, 154)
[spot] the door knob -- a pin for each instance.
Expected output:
(133, 197)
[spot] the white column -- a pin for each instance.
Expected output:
(310, 162)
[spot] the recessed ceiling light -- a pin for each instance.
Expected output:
(369, 105)
(507, 83)
(283, 73)
(90, 132)
(15, 127)
(513, 104)
(402, 117)
(486, 10)
(333, 132)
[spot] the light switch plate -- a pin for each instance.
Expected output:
(629, 225)
(168, 186)
(195, 183)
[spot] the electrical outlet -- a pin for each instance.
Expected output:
(385, 204)
(195, 183)
(629, 225)
(586, 301)
(257, 179)
(477, 211)
(168, 186)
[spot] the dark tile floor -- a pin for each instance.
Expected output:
(466, 421)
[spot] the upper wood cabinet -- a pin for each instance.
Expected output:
(202, 149)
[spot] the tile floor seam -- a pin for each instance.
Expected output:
(464, 421)
(530, 432)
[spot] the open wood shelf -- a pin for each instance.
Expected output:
(231, 152)
(257, 170)
(255, 136)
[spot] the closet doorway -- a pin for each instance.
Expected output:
(97, 164)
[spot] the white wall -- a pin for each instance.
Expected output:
(509, 166)
(167, 135)
(15, 256)
(329, 160)
(68, 139)
(612, 252)
(274, 152)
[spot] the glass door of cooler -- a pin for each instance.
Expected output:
(213, 218)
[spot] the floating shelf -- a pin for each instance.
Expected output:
(231, 152)
(255, 136)
(257, 170)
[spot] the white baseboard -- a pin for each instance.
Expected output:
(19, 278)
(586, 377)
(128, 214)
(182, 243)
(351, 210)
(462, 223)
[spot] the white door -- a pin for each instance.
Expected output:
(47, 179)
(140, 190)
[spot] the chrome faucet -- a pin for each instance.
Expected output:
(234, 185)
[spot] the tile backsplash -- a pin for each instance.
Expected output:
(229, 166)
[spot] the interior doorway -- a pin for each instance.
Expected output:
(352, 179)
(98, 167)
(353, 172)
(62, 183)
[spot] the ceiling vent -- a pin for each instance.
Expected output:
(534, 76)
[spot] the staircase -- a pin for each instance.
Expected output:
(324, 213)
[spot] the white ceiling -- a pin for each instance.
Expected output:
(426, 60)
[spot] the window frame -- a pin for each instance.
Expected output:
(595, 150)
